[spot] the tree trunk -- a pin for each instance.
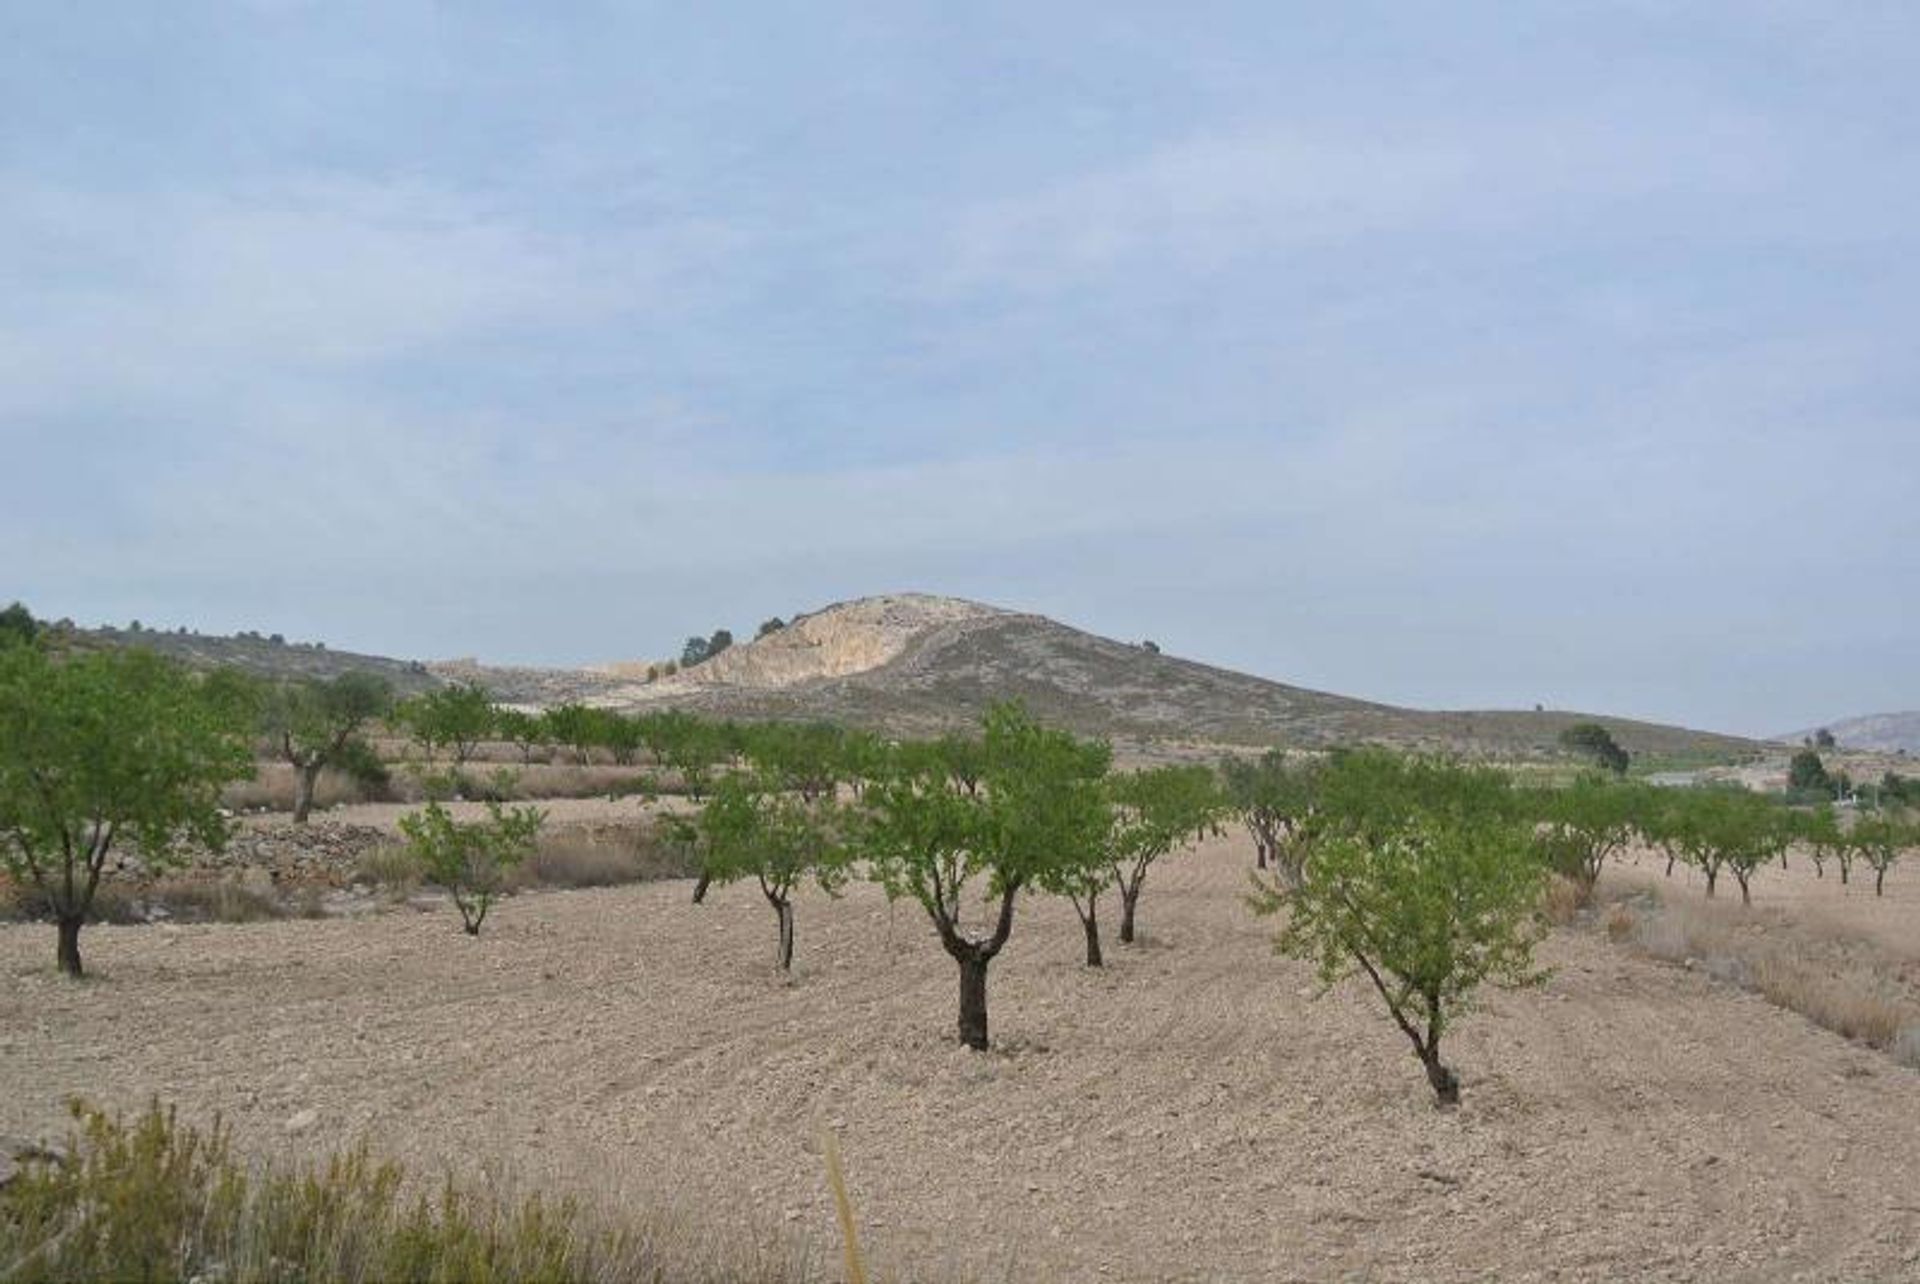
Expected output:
(1259, 853)
(784, 909)
(1091, 922)
(70, 945)
(304, 780)
(973, 1003)
(1879, 880)
(1846, 869)
(1713, 876)
(700, 888)
(1670, 860)
(1128, 899)
(1446, 1084)
(1746, 897)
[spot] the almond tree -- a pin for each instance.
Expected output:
(106, 748)
(1156, 811)
(935, 832)
(1421, 878)
(472, 859)
(751, 830)
(317, 724)
(1271, 795)
(1879, 841)
(1586, 823)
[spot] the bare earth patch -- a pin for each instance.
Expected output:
(1194, 1112)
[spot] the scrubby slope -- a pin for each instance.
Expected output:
(912, 663)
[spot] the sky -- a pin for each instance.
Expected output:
(1466, 355)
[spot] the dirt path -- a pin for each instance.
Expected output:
(1193, 1112)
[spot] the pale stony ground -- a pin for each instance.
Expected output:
(1194, 1112)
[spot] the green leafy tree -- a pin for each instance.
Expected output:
(694, 652)
(1818, 830)
(1823, 739)
(1806, 773)
(103, 748)
(1596, 742)
(803, 758)
(457, 717)
(1272, 795)
(1156, 811)
(472, 859)
(771, 626)
(1421, 878)
(1730, 829)
(575, 726)
(1585, 824)
(721, 640)
(525, 731)
(1879, 841)
(316, 724)
(17, 626)
(929, 837)
(1078, 861)
(750, 829)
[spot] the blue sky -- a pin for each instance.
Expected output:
(1456, 355)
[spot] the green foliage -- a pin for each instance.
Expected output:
(1879, 840)
(804, 758)
(721, 640)
(315, 724)
(694, 652)
(1716, 829)
(954, 819)
(1808, 774)
(458, 717)
(1596, 742)
(773, 625)
(1421, 877)
(525, 731)
(1156, 811)
(750, 829)
(1272, 795)
(154, 1199)
(102, 748)
(472, 859)
(575, 726)
(17, 626)
(1585, 823)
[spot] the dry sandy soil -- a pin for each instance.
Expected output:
(1194, 1112)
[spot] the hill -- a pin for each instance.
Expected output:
(1876, 732)
(262, 656)
(914, 664)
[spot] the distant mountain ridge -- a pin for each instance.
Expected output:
(1879, 732)
(917, 664)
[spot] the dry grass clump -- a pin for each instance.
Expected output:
(155, 1199)
(1562, 900)
(183, 900)
(1840, 983)
(570, 856)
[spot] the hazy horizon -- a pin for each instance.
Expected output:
(1449, 358)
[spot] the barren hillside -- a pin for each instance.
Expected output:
(912, 663)
(1877, 732)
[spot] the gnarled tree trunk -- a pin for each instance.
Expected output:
(973, 1002)
(69, 953)
(1129, 897)
(1090, 922)
(306, 777)
(784, 910)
